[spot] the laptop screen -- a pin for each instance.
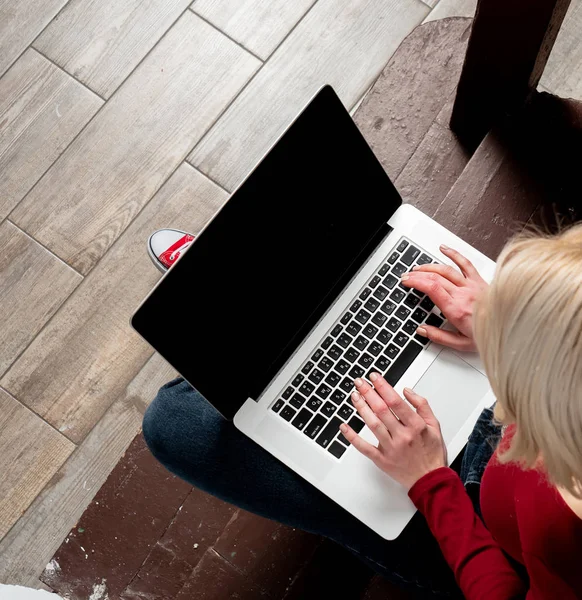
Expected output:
(273, 260)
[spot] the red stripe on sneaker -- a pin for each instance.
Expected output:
(172, 254)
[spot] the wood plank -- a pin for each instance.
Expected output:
(342, 42)
(563, 74)
(105, 177)
(259, 25)
(41, 110)
(35, 537)
(88, 353)
(31, 452)
(20, 23)
(452, 8)
(101, 42)
(33, 285)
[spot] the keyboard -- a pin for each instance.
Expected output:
(376, 333)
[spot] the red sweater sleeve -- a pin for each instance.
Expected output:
(480, 567)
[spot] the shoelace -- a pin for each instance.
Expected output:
(180, 249)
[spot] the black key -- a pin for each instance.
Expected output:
(381, 292)
(356, 372)
(329, 432)
(298, 379)
(361, 342)
(351, 355)
(427, 304)
(402, 313)
(366, 360)
(382, 364)
(342, 366)
(419, 315)
(370, 331)
(302, 418)
(277, 406)
(344, 340)
(334, 352)
(337, 449)
(354, 328)
(397, 295)
(379, 319)
(323, 391)
(314, 403)
(307, 367)
(317, 355)
(337, 330)
(288, 413)
(315, 426)
(402, 363)
(326, 342)
(333, 379)
(392, 351)
(383, 270)
(410, 255)
(399, 269)
(363, 316)
(341, 438)
(328, 409)
(354, 307)
(402, 246)
(371, 305)
(411, 300)
(390, 281)
(417, 293)
(297, 400)
(325, 364)
(346, 318)
(423, 259)
(421, 339)
(307, 388)
(374, 281)
(345, 412)
(394, 324)
(316, 376)
(347, 384)
(409, 327)
(338, 397)
(384, 336)
(287, 393)
(367, 291)
(434, 320)
(401, 339)
(356, 424)
(388, 307)
(393, 258)
(375, 348)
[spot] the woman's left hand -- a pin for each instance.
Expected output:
(411, 445)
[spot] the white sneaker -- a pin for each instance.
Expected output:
(165, 247)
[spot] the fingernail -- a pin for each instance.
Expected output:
(374, 376)
(355, 397)
(343, 427)
(421, 331)
(443, 247)
(359, 381)
(408, 390)
(405, 277)
(416, 267)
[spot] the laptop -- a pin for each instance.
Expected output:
(293, 290)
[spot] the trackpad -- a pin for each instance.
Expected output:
(453, 389)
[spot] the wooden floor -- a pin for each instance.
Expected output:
(118, 118)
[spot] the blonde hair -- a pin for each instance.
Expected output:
(528, 329)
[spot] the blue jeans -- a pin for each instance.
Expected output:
(193, 441)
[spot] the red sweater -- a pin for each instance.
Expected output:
(526, 518)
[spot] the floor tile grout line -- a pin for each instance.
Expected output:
(225, 34)
(84, 85)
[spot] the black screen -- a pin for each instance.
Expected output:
(272, 261)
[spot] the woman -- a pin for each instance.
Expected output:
(527, 327)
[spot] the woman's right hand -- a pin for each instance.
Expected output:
(454, 293)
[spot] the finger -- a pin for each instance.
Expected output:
(392, 400)
(421, 406)
(461, 261)
(376, 426)
(415, 278)
(445, 271)
(451, 339)
(427, 284)
(360, 444)
(376, 403)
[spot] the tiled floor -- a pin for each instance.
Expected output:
(114, 115)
